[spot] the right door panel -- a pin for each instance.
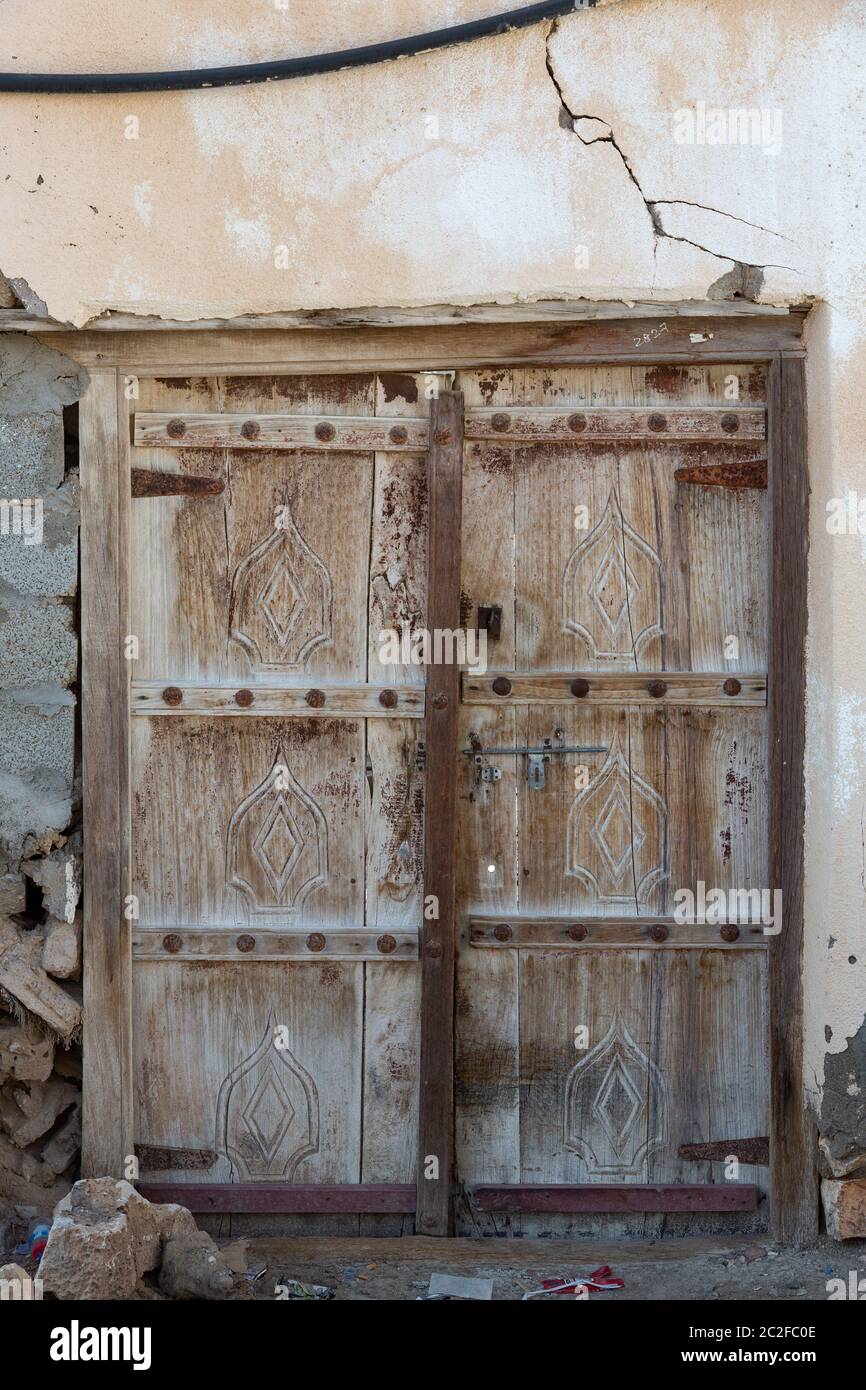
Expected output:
(605, 1017)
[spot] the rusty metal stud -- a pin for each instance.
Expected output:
(732, 686)
(386, 944)
(579, 688)
(729, 423)
(315, 941)
(578, 932)
(172, 696)
(577, 423)
(501, 686)
(440, 702)
(442, 437)
(729, 932)
(172, 943)
(387, 698)
(251, 429)
(657, 423)
(244, 698)
(433, 950)
(657, 689)
(658, 932)
(315, 698)
(175, 429)
(325, 431)
(246, 943)
(398, 434)
(502, 932)
(500, 422)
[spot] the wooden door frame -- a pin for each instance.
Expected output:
(113, 356)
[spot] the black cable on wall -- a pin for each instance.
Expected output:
(281, 69)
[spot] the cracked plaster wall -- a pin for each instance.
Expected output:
(477, 174)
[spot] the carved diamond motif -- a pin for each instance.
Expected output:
(269, 1114)
(278, 846)
(614, 589)
(618, 1105)
(612, 835)
(283, 600)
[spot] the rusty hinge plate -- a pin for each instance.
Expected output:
(719, 1150)
(731, 474)
(149, 482)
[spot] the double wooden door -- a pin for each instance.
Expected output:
(611, 754)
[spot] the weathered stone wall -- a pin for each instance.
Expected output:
(40, 856)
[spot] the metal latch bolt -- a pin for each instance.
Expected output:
(536, 757)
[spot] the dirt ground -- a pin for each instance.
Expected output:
(703, 1268)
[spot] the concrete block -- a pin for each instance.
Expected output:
(37, 641)
(48, 566)
(36, 735)
(31, 454)
(844, 1207)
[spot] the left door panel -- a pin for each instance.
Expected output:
(276, 796)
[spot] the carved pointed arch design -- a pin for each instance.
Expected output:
(618, 843)
(616, 1106)
(612, 591)
(280, 607)
(267, 1118)
(277, 844)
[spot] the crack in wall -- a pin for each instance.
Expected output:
(745, 278)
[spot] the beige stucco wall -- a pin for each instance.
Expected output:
(449, 178)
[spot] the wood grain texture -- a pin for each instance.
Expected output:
(107, 1122)
(347, 700)
(168, 943)
(634, 1197)
(436, 1105)
(248, 822)
(263, 1065)
(506, 932)
(551, 425)
(262, 585)
(792, 1136)
(555, 688)
(678, 799)
(233, 430)
(678, 338)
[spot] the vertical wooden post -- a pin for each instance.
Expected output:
(107, 1122)
(793, 1146)
(435, 1210)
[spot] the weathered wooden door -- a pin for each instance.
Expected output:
(613, 768)
(276, 789)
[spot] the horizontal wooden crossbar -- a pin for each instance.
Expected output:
(616, 1197)
(615, 688)
(283, 1198)
(350, 700)
(406, 435)
(595, 933)
(251, 943)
